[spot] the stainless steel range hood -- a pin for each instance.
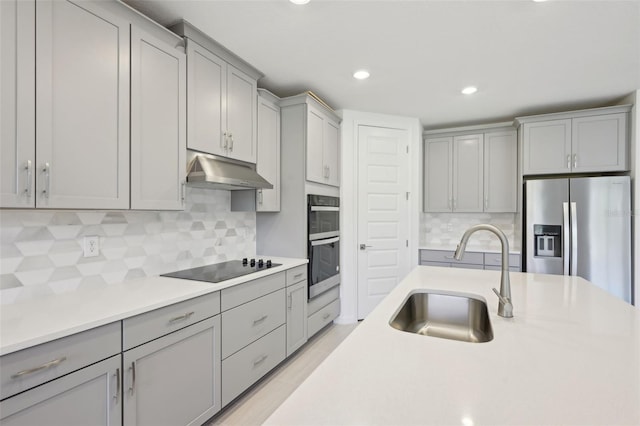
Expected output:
(209, 171)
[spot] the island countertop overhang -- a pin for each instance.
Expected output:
(570, 355)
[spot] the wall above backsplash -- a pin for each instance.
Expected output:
(444, 230)
(42, 250)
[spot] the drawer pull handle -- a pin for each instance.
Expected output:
(297, 275)
(181, 317)
(325, 316)
(44, 366)
(260, 360)
(132, 388)
(117, 396)
(449, 257)
(259, 320)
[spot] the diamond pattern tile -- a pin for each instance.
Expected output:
(41, 250)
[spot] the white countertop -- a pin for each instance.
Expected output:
(32, 322)
(570, 355)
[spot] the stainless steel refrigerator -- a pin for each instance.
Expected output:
(581, 226)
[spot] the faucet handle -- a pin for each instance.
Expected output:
(507, 311)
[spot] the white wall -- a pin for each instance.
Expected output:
(348, 188)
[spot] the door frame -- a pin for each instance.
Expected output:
(351, 120)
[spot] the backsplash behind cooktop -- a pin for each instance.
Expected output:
(46, 246)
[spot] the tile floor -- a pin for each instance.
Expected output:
(256, 405)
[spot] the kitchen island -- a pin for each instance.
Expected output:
(570, 355)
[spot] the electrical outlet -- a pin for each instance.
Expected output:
(91, 246)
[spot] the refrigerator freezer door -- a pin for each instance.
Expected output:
(545, 198)
(603, 232)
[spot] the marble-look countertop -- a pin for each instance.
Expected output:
(42, 319)
(570, 356)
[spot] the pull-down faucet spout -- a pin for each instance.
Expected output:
(505, 307)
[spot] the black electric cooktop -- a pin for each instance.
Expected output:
(218, 272)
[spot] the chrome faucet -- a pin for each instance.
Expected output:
(505, 307)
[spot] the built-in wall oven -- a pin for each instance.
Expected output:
(323, 244)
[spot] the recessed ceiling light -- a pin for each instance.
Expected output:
(361, 75)
(299, 1)
(469, 90)
(539, 1)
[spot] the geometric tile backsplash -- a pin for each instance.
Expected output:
(41, 250)
(446, 229)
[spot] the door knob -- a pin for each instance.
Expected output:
(364, 246)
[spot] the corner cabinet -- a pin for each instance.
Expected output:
(471, 169)
(222, 104)
(268, 166)
(158, 123)
(319, 129)
(594, 140)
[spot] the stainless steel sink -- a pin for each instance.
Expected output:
(447, 315)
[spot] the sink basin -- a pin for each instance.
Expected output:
(447, 315)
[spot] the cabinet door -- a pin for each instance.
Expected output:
(500, 172)
(468, 188)
(241, 115)
(17, 103)
(599, 143)
(206, 100)
(82, 106)
(174, 380)
(158, 120)
(330, 153)
(268, 165)
(547, 147)
(296, 316)
(438, 162)
(315, 140)
(89, 396)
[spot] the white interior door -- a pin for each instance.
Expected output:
(383, 213)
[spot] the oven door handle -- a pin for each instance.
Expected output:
(324, 209)
(325, 241)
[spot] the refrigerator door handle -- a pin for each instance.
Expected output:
(566, 253)
(574, 239)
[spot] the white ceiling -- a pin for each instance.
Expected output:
(525, 57)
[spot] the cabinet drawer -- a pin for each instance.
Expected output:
(30, 367)
(248, 365)
(297, 274)
(495, 259)
(151, 325)
(441, 264)
(473, 258)
(249, 322)
(322, 300)
(243, 293)
(323, 317)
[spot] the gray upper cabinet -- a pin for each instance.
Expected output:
(158, 123)
(17, 103)
(471, 169)
(268, 166)
(500, 171)
(593, 140)
(82, 106)
(307, 120)
(221, 98)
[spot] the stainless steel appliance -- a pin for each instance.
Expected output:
(323, 248)
(222, 271)
(581, 226)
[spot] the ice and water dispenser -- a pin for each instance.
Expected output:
(547, 240)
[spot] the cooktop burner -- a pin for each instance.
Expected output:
(218, 272)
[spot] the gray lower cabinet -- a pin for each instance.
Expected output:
(245, 367)
(174, 380)
(470, 260)
(73, 380)
(322, 310)
(89, 396)
(296, 316)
